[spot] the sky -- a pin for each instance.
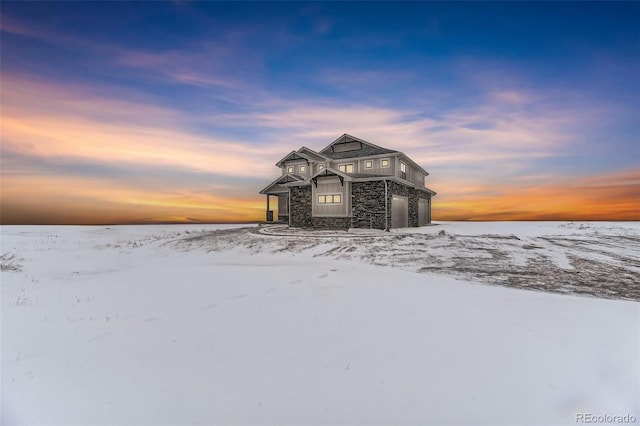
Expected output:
(149, 112)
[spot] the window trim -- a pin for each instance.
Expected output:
(370, 162)
(403, 170)
(345, 167)
(388, 160)
(332, 203)
(290, 169)
(321, 167)
(302, 168)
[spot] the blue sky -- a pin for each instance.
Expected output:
(177, 111)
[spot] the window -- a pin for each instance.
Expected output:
(368, 164)
(346, 168)
(290, 169)
(384, 163)
(302, 169)
(320, 166)
(330, 199)
(403, 170)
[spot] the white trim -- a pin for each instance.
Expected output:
(302, 168)
(290, 169)
(388, 163)
(365, 164)
(329, 194)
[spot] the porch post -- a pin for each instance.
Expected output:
(269, 212)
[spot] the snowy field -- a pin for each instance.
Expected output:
(454, 324)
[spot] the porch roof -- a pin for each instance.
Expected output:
(277, 186)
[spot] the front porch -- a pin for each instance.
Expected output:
(282, 204)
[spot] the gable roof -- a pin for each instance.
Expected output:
(281, 180)
(330, 172)
(360, 153)
(294, 155)
(344, 139)
(366, 148)
(311, 153)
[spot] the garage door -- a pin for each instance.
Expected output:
(399, 212)
(423, 212)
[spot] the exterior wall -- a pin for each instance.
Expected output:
(300, 214)
(351, 146)
(336, 164)
(367, 205)
(413, 175)
(411, 194)
(331, 186)
(296, 167)
(376, 169)
(283, 207)
(316, 166)
(332, 222)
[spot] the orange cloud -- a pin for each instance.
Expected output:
(63, 200)
(614, 196)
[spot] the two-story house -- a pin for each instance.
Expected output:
(351, 183)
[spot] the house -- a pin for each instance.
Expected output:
(351, 183)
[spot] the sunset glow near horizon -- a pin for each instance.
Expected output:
(151, 112)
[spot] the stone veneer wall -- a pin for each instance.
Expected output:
(331, 222)
(301, 207)
(412, 196)
(367, 205)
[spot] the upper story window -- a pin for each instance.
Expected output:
(320, 166)
(290, 169)
(302, 169)
(403, 170)
(368, 164)
(384, 163)
(346, 168)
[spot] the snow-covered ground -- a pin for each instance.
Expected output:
(215, 324)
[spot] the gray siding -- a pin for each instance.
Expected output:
(316, 167)
(413, 175)
(336, 164)
(352, 146)
(326, 187)
(283, 204)
(377, 169)
(296, 167)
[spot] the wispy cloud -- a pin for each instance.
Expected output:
(58, 121)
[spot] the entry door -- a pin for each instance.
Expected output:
(399, 211)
